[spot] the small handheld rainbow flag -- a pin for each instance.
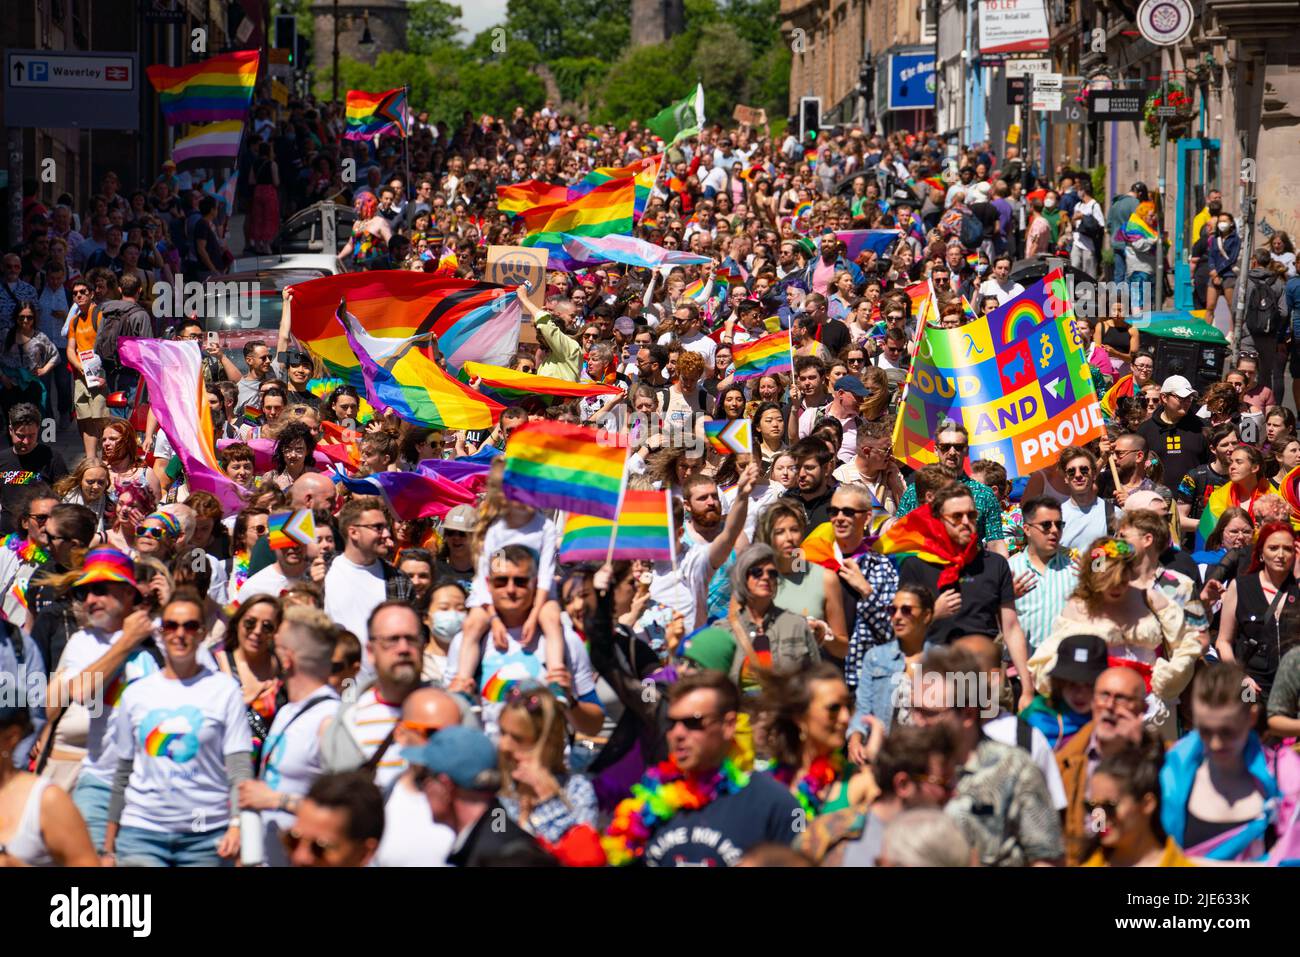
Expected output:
(287, 529)
(765, 356)
(510, 387)
(935, 182)
(253, 415)
(728, 437)
(1137, 228)
(370, 114)
(1110, 401)
(803, 209)
(972, 259)
(558, 465)
(643, 531)
(219, 88)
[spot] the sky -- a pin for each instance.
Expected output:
(479, 15)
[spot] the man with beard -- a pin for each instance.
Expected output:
(1130, 455)
(703, 526)
(362, 734)
(114, 649)
(810, 376)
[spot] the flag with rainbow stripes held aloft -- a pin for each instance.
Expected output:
(1136, 228)
(765, 356)
(372, 114)
(558, 465)
(644, 530)
(218, 88)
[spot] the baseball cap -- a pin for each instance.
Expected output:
(1080, 658)
(1177, 385)
(465, 755)
(624, 326)
(710, 648)
(462, 518)
(852, 384)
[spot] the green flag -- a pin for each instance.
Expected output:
(675, 123)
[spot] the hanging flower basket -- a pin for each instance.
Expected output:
(1172, 95)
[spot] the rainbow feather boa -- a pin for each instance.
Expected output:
(29, 552)
(659, 796)
(813, 788)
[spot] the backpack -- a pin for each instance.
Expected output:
(1262, 309)
(121, 320)
(1092, 230)
(971, 232)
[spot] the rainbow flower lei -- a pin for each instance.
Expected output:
(812, 789)
(239, 571)
(660, 795)
(1113, 548)
(26, 551)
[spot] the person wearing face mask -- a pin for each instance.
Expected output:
(1223, 253)
(1044, 225)
(446, 616)
(1208, 215)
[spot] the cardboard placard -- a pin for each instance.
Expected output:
(519, 266)
(749, 115)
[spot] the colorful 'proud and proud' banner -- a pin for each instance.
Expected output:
(1016, 379)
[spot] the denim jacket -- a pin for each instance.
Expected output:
(881, 674)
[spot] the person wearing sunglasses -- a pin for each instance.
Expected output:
(157, 536)
(771, 638)
(951, 444)
(290, 760)
(883, 665)
(974, 586)
(1175, 433)
(1087, 517)
(112, 650)
(1123, 810)
(290, 566)
(26, 549)
(1001, 800)
(1044, 573)
(339, 823)
(248, 655)
(183, 746)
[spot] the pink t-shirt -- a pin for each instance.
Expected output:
(1101, 359)
(1260, 398)
(823, 276)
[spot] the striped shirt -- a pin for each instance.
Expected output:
(1039, 608)
(369, 724)
(986, 503)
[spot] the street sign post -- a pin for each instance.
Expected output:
(90, 90)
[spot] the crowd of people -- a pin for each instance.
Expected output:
(1084, 679)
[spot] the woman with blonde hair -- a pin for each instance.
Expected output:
(87, 485)
(876, 406)
(121, 453)
(1143, 630)
(537, 790)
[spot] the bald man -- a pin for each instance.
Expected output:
(1118, 702)
(1006, 727)
(312, 490)
(412, 838)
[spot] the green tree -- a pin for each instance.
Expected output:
(430, 23)
(577, 76)
(722, 63)
(570, 28)
(645, 80)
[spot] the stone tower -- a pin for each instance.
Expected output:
(654, 21)
(387, 27)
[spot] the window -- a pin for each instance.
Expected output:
(928, 25)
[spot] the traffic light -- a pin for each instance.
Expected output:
(286, 36)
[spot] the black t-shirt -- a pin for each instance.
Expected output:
(1180, 446)
(814, 507)
(45, 462)
(718, 834)
(986, 586)
(1196, 486)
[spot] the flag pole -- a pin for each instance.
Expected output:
(406, 145)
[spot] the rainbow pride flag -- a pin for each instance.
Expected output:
(558, 465)
(510, 387)
(803, 209)
(729, 437)
(643, 531)
(219, 88)
(643, 172)
(372, 114)
(400, 377)
(529, 194)
(764, 356)
(476, 321)
(411, 495)
(1110, 401)
(856, 241)
(287, 529)
(1136, 229)
(1227, 496)
(606, 209)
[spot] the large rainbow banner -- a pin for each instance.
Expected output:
(1016, 379)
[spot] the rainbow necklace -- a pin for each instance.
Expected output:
(29, 552)
(812, 789)
(658, 797)
(239, 573)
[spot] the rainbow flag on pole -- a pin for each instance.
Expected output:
(557, 465)
(764, 356)
(644, 173)
(643, 531)
(219, 88)
(606, 209)
(370, 114)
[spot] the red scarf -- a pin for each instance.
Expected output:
(929, 536)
